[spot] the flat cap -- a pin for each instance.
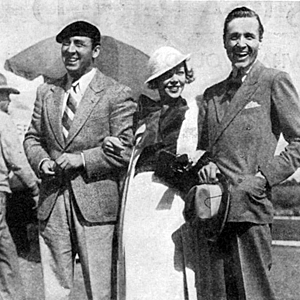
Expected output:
(79, 28)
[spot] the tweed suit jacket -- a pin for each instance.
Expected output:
(106, 109)
(244, 140)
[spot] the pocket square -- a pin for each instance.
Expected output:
(252, 104)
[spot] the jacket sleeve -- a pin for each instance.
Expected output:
(122, 108)
(285, 117)
(34, 142)
(202, 123)
(14, 155)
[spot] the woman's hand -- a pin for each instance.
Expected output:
(112, 145)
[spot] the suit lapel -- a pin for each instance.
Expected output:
(86, 105)
(219, 104)
(239, 101)
(54, 104)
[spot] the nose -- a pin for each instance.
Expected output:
(174, 78)
(71, 48)
(241, 42)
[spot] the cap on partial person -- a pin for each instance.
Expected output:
(5, 87)
(79, 28)
(163, 60)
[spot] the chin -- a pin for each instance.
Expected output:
(174, 96)
(71, 68)
(243, 64)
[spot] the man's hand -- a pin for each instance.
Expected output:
(69, 161)
(48, 168)
(36, 201)
(208, 174)
(254, 185)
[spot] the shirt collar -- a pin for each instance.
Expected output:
(243, 72)
(82, 83)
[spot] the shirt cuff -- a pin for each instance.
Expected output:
(41, 162)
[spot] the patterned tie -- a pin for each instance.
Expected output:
(69, 112)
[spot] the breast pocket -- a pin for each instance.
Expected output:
(250, 121)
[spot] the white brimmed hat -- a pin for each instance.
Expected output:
(5, 87)
(163, 60)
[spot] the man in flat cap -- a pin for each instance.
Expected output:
(12, 159)
(79, 196)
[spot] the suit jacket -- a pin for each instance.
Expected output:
(106, 109)
(243, 142)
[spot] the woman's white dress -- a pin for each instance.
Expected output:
(153, 213)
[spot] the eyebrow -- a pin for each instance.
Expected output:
(77, 40)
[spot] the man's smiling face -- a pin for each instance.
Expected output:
(242, 42)
(78, 55)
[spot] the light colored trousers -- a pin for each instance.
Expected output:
(63, 235)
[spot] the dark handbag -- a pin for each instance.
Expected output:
(177, 170)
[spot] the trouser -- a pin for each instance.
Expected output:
(237, 266)
(63, 235)
(10, 279)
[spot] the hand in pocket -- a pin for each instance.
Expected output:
(254, 186)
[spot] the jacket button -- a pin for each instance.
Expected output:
(240, 180)
(248, 127)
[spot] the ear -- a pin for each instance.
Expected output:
(96, 51)
(259, 45)
(224, 43)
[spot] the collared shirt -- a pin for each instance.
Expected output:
(244, 72)
(79, 87)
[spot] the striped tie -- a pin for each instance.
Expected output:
(69, 113)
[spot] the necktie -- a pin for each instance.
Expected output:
(233, 84)
(69, 113)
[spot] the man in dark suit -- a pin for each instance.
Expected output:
(243, 118)
(79, 195)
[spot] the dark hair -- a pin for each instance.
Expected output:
(95, 43)
(189, 77)
(243, 12)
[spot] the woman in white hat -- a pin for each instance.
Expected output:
(153, 220)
